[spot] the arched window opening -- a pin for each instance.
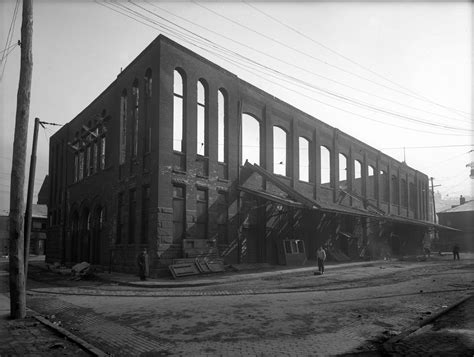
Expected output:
(303, 144)
(384, 185)
(250, 139)
(395, 199)
(371, 181)
(178, 112)
(136, 102)
(342, 171)
(412, 196)
(404, 193)
(279, 150)
(357, 184)
(222, 125)
(202, 110)
(123, 126)
(357, 169)
(325, 166)
(148, 95)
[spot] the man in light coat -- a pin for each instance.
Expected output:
(321, 255)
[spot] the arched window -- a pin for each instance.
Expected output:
(325, 166)
(178, 112)
(357, 185)
(279, 150)
(136, 102)
(250, 139)
(202, 110)
(404, 193)
(384, 185)
(357, 169)
(303, 144)
(148, 94)
(395, 199)
(412, 196)
(221, 125)
(370, 181)
(123, 126)
(342, 171)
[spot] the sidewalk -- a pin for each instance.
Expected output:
(28, 337)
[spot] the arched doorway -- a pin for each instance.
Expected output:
(95, 244)
(74, 237)
(84, 250)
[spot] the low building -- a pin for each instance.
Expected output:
(182, 157)
(461, 218)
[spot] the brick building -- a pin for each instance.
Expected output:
(158, 160)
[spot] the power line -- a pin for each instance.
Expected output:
(301, 52)
(193, 43)
(11, 30)
(349, 59)
(283, 61)
(427, 147)
(324, 91)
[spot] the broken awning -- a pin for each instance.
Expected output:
(296, 199)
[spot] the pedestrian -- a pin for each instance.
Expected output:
(321, 255)
(142, 261)
(455, 252)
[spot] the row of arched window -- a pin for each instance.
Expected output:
(129, 131)
(202, 117)
(89, 146)
(250, 144)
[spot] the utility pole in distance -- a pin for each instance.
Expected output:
(29, 195)
(17, 205)
(432, 195)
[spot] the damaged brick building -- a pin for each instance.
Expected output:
(182, 157)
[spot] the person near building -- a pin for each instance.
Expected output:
(142, 261)
(321, 255)
(456, 252)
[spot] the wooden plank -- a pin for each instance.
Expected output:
(183, 269)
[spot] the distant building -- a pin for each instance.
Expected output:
(158, 160)
(39, 223)
(460, 217)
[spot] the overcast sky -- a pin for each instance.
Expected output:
(392, 74)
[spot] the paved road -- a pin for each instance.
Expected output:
(345, 311)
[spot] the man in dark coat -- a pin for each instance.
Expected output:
(142, 261)
(456, 252)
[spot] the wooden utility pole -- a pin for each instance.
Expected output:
(17, 205)
(432, 195)
(29, 195)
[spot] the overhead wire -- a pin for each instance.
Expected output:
(11, 31)
(324, 92)
(293, 64)
(349, 59)
(299, 51)
(187, 39)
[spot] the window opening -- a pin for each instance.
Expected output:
(250, 139)
(325, 166)
(279, 150)
(178, 112)
(304, 159)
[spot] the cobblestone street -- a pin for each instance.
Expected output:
(348, 310)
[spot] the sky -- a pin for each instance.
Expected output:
(392, 74)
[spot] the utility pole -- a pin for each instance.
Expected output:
(16, 219)
(432, 195)
(29, 195)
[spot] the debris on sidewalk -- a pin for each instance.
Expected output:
(81, 271)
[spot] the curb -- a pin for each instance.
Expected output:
(388, 345)
(63, 332)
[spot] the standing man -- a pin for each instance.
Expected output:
(456, 252)
(142, 261)
(321, 255)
